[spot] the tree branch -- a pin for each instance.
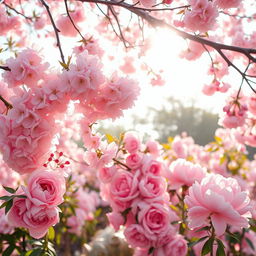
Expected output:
(6, 103)
(71, 20)
(155, 22)
(17, 12)
(56, 30)
(5, 68)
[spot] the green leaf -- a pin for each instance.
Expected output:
(191, 244)
(51, 233)
(5, 198)
(35, 252)
(220, 250)
(8, 251)
(21, 196)
(202, 229)
(249, 242)
(8, 206)
(151, 249)
(234, 236)
(10, 190)
(207, 248)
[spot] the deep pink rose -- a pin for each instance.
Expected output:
(46, 188)
(135, 236)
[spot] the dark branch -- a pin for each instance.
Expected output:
(56, 30)
(155, 22)
(71, 20)
(5, 68)
(17, 12)
(6, 103)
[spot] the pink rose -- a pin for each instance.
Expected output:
(151, 186)
(177, 247)
(155, 219)
(46, 188)
(131, 142)
(150, 165)
(123, 189)
(134, 160)
(37, 219)
(115, 219)
(135, 236)
(106, 173)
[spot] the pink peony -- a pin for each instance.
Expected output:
(220, 200)
(184, 173)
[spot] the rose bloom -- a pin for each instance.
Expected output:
(176, 247)
(131, 142)
(185, 173)
(135, 236)
(46, 188)
(37, 219)
(219, 199)
(123, 189)
(155, 219)
(151, 186)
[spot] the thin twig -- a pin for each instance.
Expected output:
(6, 103)
(71, 20)
(56, 30)
(5, 68)
(17, 12)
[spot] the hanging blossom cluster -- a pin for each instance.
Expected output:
(30, 125)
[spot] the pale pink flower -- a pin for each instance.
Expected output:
(228, 3)
(184, 173)
(202, 16)
(220, 200)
